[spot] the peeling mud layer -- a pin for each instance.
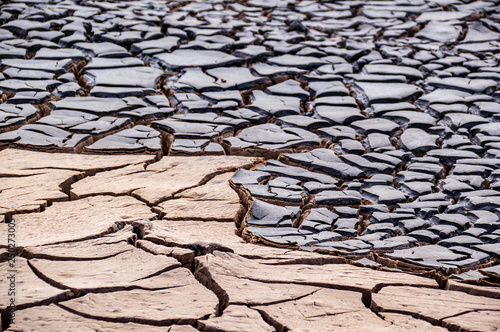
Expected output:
(250, 165)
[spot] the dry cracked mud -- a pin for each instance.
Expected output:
(127, 261)
(250, 165)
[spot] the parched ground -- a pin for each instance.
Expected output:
(250, 165)
(129, 242)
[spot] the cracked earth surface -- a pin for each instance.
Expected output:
(251, 165)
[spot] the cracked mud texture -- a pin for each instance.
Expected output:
(120, 263)
(251, 165)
